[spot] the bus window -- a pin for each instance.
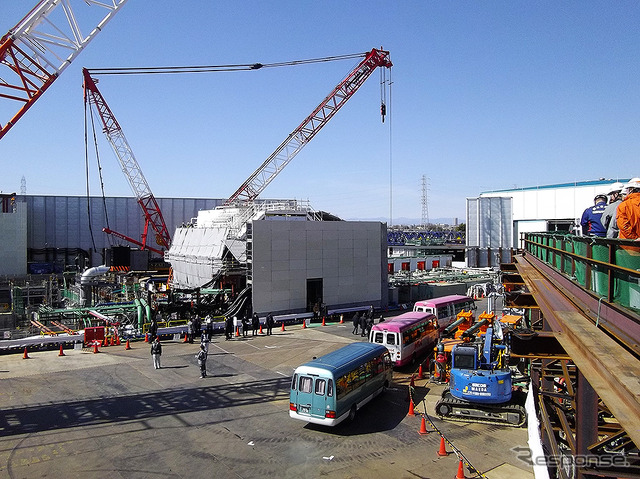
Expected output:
(330, 388)
(294, 381)
(391, 338)
(306, 383)
(443, 312)
(320, 386)
(378, 337)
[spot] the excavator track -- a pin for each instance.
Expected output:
(506, 414)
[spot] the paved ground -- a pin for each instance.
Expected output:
(111, 414)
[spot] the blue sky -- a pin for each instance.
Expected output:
(485, 96)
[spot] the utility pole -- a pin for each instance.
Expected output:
(425, 201)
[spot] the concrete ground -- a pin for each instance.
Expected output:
(112, 414)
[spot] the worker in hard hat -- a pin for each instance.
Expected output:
(628, 212)
(608, 218)
(590, 222)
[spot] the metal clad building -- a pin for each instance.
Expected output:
(58, 226)
(496, 219)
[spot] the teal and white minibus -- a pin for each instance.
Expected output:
(330, 389)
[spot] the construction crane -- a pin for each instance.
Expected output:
(130, 167)
(195, 263)
(36, 51)
(289, 148)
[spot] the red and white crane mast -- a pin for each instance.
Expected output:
(289, 148)
(130, 168)
(38, 49)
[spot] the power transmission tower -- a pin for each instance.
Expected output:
(425, 201)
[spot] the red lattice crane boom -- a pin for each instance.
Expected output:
(288, 149)
(41, 46)
(130, 167)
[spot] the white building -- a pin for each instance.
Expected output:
(496, 219)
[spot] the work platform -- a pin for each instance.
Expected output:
(585, 294)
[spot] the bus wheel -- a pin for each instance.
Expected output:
(352, 412)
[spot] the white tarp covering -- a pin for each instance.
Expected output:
(196, 255)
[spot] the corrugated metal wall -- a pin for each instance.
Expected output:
(63, 221)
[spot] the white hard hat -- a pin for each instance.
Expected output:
(633, 183)
(616, 187)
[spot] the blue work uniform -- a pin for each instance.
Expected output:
(590, 222)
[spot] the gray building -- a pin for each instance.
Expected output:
(54, 231)
(295, 264)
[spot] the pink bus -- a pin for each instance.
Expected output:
(406, 336)
(446, 308)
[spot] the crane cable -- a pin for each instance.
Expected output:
(86, 167)
(216, 68)
(95, 145)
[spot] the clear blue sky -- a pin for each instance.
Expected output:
(485, 95)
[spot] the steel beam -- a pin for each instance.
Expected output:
(612, 371)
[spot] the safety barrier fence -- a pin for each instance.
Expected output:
(610, 268)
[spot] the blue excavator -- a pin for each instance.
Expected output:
(480, 384)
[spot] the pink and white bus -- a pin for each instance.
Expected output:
(446, 308)
(406, 336)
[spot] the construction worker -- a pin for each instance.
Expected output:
(608, 218)
(590, 222)
(628, 212)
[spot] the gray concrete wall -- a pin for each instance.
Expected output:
(13, 241)
(349, 256)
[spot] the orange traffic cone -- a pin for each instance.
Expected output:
(323, 321)
(186, 338)
(95, 347)
(411, 411)
(282, 326)
(117, 340)
(423, 427)
(420, 373)
(61, 353)
(237, 331)
(460, 474)
(146, 337)
(443, 449)
(412, 382)
(304, 324)
(104, 342)
(25, 355)
(111, 342)
(341, 319)
(260, 332)
(127, 346)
